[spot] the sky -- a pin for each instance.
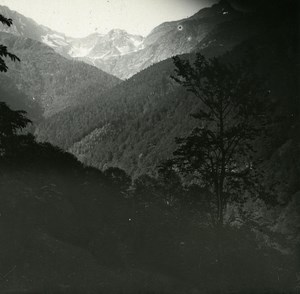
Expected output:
(79, 18)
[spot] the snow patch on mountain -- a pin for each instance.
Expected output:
(47, 41)
(54, 40)
(79, 51)
(102, 46)
(136, 42)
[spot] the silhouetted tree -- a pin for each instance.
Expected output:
(11, 122)
(3, 49)
(218, 154)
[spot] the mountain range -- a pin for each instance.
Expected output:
(135, 124)
(82, 105)
(122, 54)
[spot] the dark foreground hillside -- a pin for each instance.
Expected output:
(67, 228)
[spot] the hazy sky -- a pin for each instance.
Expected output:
(81, 17)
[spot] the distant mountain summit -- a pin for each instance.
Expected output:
(103, 46)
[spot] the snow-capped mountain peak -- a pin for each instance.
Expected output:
(103, 46)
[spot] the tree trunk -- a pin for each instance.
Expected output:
(220, 258)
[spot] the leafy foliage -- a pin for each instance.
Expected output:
(219, 152)
(11, 121)
(3, 49)
(6, 21)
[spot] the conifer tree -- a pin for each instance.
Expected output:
(11, 121)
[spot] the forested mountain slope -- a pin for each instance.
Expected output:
(148, 87)
(135, 125)
(51, 80)
(140, 92)
(146, 133)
